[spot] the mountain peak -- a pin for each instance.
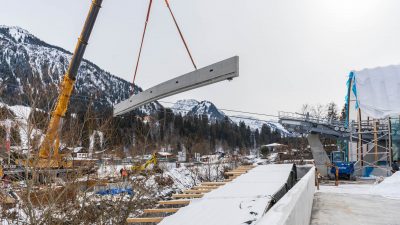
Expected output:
(192, 107)
(184, 106)
(17, 34)
(32, 67)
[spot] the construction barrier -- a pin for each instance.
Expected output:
(294, 208)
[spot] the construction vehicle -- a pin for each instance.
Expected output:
(49, 156)
(346, 169)
(152, 161)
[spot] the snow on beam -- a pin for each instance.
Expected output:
(205, 187)
(213, 183)
(224, 70)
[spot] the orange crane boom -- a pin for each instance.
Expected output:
(67, 85)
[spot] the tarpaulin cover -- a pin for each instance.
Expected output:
(116, 191)
(377, 91)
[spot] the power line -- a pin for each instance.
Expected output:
(232, 110)
(99, 99)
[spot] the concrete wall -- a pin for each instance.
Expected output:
(302, 170)
(295, 207)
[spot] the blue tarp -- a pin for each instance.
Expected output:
(116, 191)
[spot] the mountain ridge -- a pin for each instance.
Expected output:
(30, 66)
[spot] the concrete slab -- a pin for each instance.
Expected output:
(355, 209)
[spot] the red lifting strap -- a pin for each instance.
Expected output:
(141, 45)
(180, 33)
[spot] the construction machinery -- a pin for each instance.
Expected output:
(152, 161)
(345, 169)
(49, 156)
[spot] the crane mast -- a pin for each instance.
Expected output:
(67, 85)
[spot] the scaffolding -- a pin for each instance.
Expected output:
(372, 144)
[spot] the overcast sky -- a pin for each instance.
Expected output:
(291, 51)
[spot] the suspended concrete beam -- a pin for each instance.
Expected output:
(224, 70)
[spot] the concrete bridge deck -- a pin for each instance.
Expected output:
(241, 201)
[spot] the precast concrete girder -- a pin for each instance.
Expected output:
(223, 70)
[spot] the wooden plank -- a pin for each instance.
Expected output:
(213, 183)
(205, 187)
(187, 195)
(200, 191)
(161, 210)
(174, 202)
(234, 173)
(239, 170)
(145, 220)
(246, 167)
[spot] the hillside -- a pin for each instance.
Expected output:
(31, 71)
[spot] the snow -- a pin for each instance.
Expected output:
(272, 157)
(252, 122)
(20, 111)
(238, 202)
(17, 33)
(389, 187)
(184, 106)
(165, 153)
(361, 189)
(273, 145)
(255, 123)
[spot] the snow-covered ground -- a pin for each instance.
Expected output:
(389, 188)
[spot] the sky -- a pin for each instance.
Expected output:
(291, 52)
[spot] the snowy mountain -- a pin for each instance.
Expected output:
(31, 71)
(252, 122)
(188, 107)
(184, 106)
(255, 123)
(194, 107)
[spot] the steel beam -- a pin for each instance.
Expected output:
(224, 70)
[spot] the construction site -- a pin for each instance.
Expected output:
(80, 145)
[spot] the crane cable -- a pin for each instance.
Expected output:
(141, 45)
(180, 33)
(144, 33)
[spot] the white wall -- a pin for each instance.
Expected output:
(295, 207)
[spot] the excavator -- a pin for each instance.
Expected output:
(152, 160)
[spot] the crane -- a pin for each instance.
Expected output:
(49, 156)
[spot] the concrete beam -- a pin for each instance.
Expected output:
(224, 70)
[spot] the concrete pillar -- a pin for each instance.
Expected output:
(319, 154)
